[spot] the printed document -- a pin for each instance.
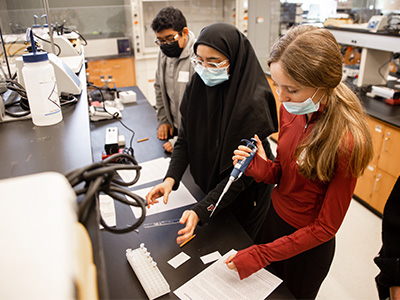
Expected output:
(220, 283)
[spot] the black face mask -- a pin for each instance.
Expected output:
(172, 50)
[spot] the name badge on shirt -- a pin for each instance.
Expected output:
(183, 76)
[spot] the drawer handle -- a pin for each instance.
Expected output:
(386, 139)
(376, 181)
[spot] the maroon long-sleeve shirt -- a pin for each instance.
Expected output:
(315, 208)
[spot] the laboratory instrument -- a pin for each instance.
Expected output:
(239, 169)
(145, 268)
(67, 81)
(99, 113)
(385, 92)
(67, 41)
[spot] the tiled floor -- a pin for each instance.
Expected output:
(352, 274)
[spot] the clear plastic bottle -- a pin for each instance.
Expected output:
(41, 88)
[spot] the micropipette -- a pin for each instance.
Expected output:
(239, 169)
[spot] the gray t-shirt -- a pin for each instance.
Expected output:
(171, 88)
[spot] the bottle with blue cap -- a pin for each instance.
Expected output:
(41, 87)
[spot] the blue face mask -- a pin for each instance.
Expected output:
(302, 108)
(212, 78)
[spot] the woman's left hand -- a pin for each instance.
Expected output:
(230, 264)
(191, 219)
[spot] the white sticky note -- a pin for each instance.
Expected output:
(178, 259)
(210, 257)
(183, 76)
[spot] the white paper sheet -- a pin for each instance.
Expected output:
(220, 283)
(180, 197)
(107, 210)
(151, 170)
(178, 259)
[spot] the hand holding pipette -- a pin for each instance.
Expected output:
(239, 168)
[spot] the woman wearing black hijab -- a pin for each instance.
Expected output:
(227, 100)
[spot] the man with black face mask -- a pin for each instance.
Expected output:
(174, 70)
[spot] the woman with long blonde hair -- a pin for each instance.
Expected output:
(324, 145)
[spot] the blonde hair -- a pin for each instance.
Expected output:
(310, 56)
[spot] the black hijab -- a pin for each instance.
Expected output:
(215, 119)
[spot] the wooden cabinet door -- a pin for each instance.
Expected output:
(122, 71)
(95, 70)
(379, 177)
(377, 129)
(389, 159)
(364, 184)
(382, 186)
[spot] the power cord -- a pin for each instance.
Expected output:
(395, 56)
(18, 99)
(67, 98)
(14, 85)
(47, 41)
(22, 101)
(102, 177)
(62, 29)
(393, 25)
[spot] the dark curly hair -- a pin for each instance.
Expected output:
(169, 17)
